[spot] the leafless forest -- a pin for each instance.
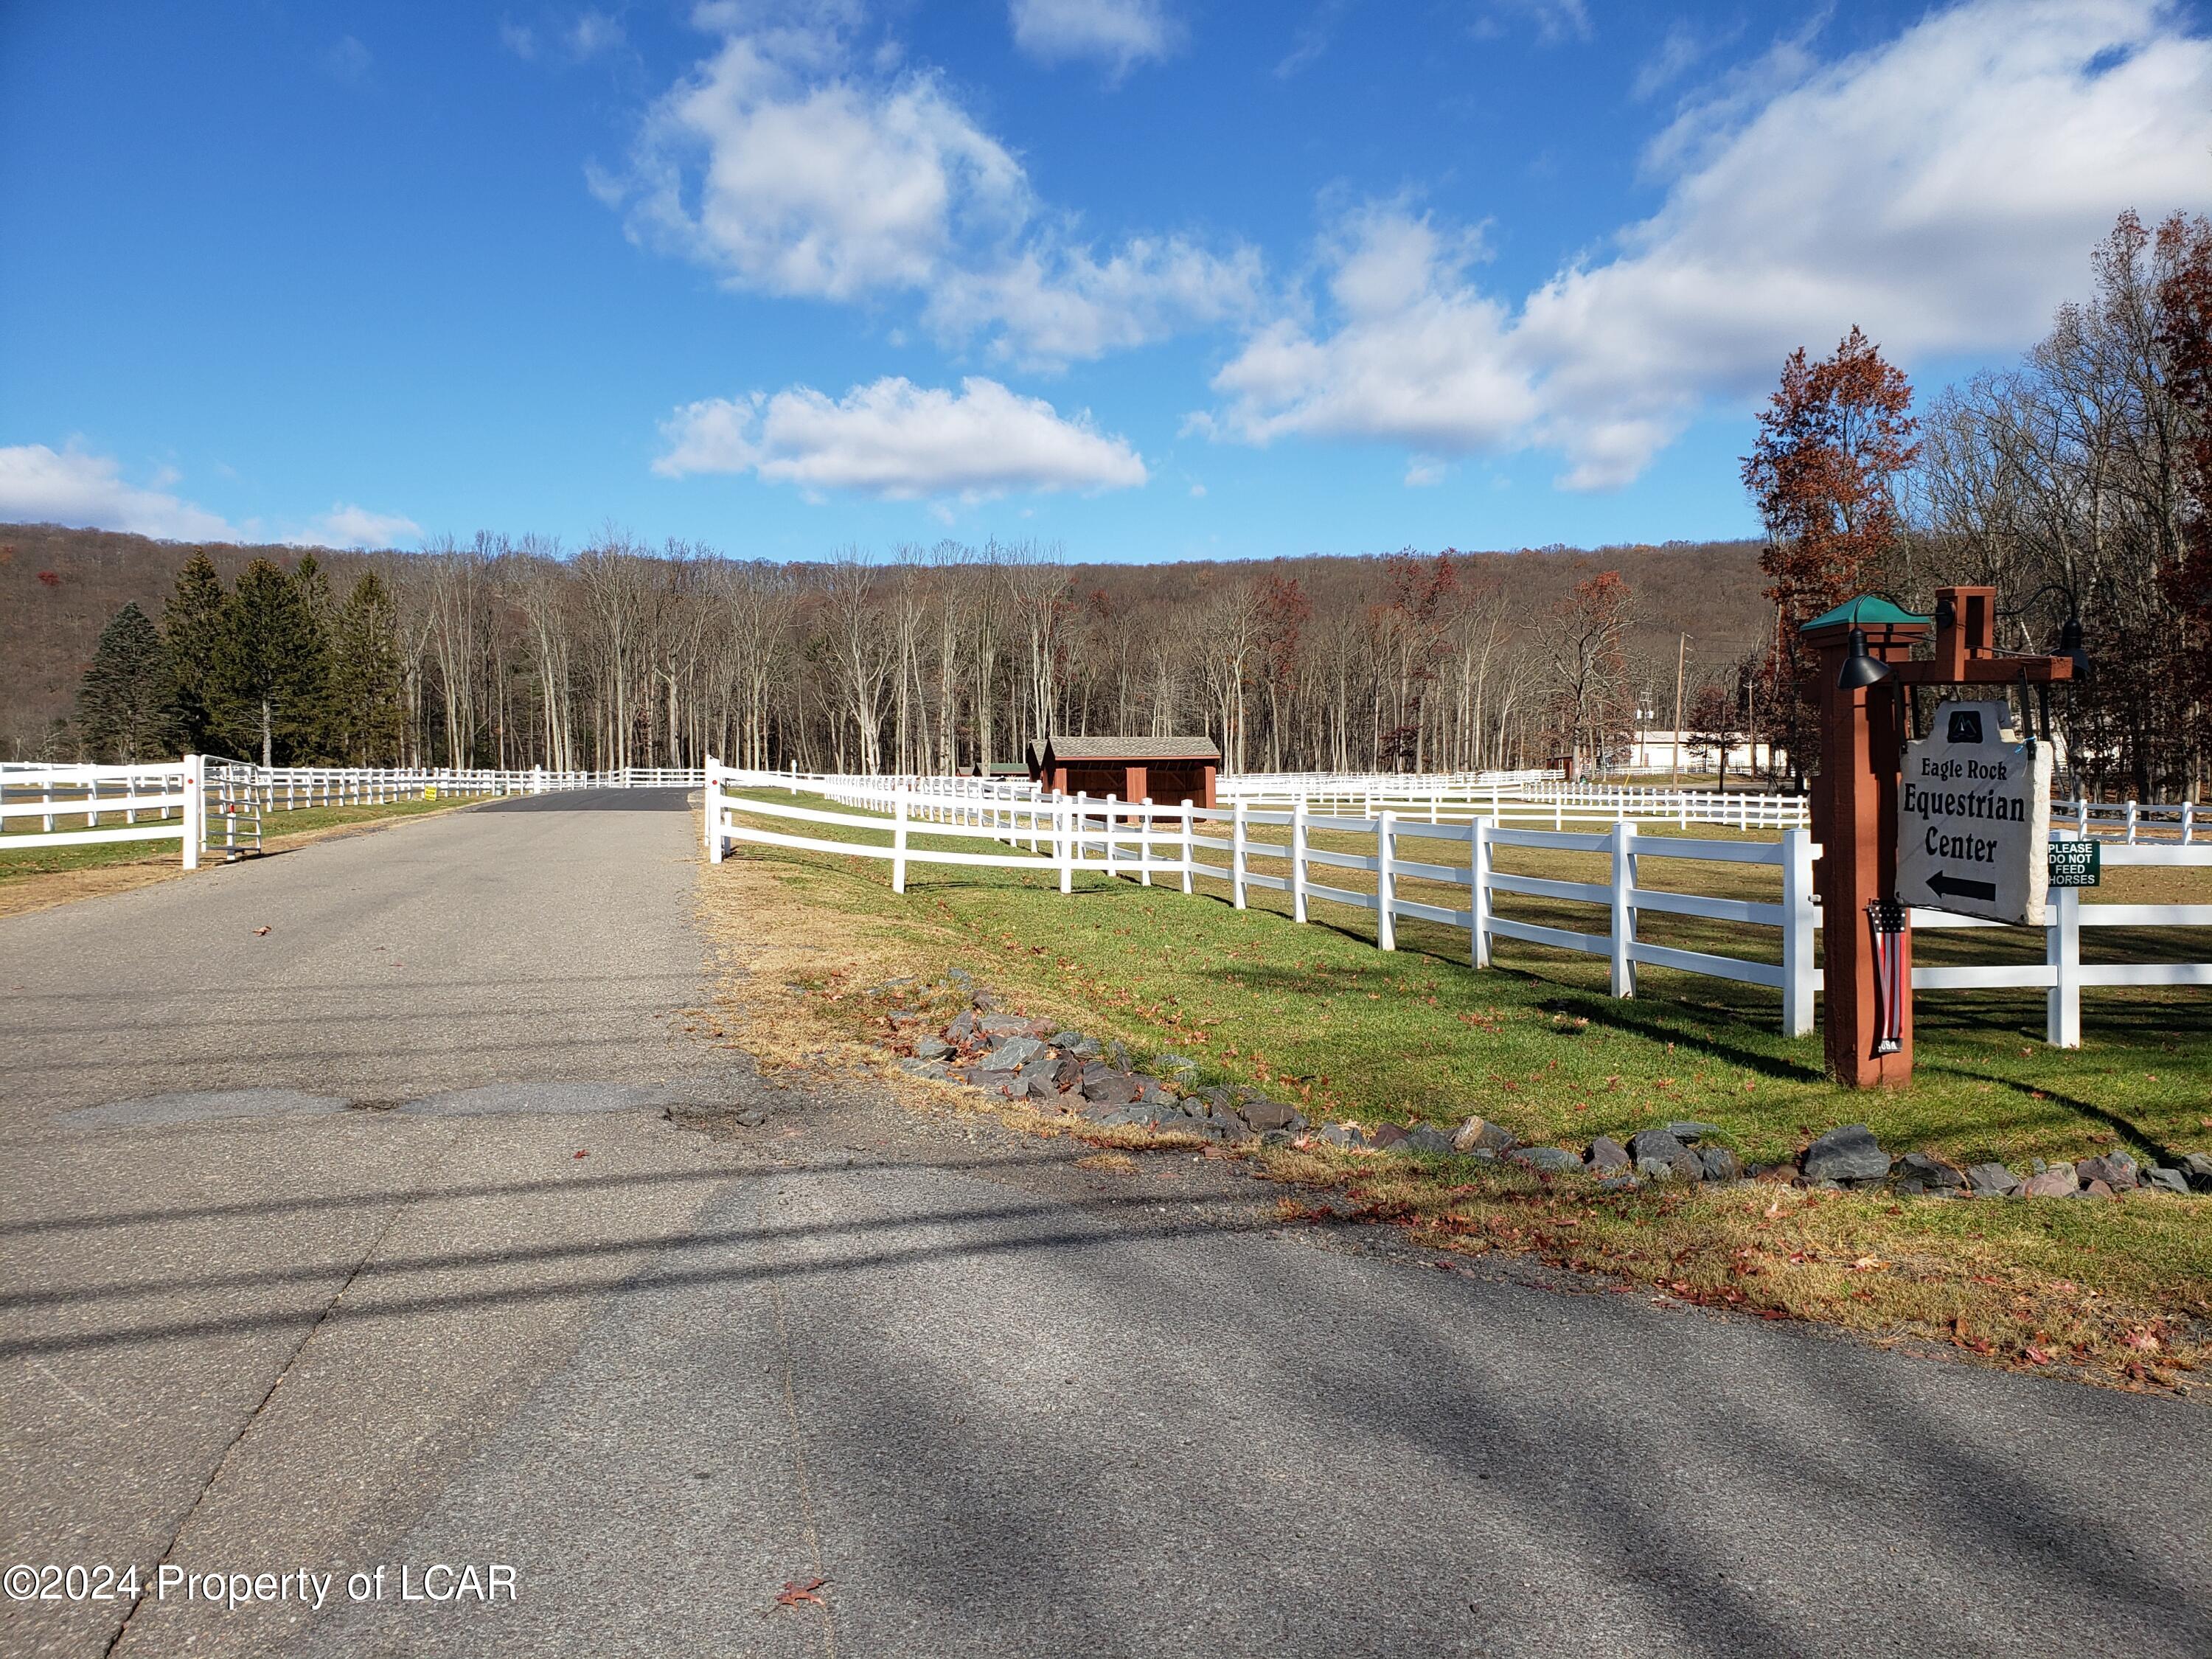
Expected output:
(514, 651)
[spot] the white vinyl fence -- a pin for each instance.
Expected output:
(207, 803)
(1061, 838)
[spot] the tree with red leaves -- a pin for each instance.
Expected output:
(1833, 442)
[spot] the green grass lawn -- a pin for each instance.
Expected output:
(2119, 1290)
(1536, 1043)
(51, 860)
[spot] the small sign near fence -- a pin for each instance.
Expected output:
(1973, 810)
(2076, 863)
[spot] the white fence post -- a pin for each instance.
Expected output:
(1298, 861)
(898, 839)
(2062, 950)
(1109, 844)
(1386, 885)
(1064, 826)
(1189, 845)
(710, 797)
(1799, 931)
(195, 809)
(1622, 977)
(1478, 891)
(1144, 842)
(1237, 842)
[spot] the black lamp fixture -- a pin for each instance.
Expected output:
(1862, 668)
(2073, 646)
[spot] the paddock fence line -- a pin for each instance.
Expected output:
(1061, 837)
(207, 803)
(1142, 840)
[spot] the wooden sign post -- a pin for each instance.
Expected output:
(1865, 656)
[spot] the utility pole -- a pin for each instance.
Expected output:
(1681, 653)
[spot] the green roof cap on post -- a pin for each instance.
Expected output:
(1865, 611)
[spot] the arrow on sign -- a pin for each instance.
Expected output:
(1952, 887)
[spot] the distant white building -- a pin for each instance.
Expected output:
(1661, 749)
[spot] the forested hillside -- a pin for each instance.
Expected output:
(513, 652)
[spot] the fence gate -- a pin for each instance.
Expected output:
(233, 808)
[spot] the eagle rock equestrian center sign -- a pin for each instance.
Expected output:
(1973, 816)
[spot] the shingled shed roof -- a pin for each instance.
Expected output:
(1132, 748)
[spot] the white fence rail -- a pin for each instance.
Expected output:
(1189, 844)
(1143, 841)
(206, 803)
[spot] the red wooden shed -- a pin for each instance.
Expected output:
(1167, 770)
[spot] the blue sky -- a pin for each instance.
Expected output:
(1148, 278)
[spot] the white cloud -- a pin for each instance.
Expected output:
(1118, 34)
(594, 33)
(1556, 21)
(1942, 191)
(348, 525)
(519, 39)
(894, 440)
(39, 486)
(783, 166)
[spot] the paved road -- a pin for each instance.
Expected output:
(301, 1270)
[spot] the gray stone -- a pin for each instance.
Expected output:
(1480, 1134)
(1003, 1026)
(921, 1068)
(1991, 1181)
(1388, 1134)
(2170, 1181)
(1265, 1114)
(962, 1029)
(1088, 1048)
(1619, 1183)
(2198, 1166)
(1278, 1137)
(1114, 1055)
(1847, 1152)
(1687, 1132)
(985, 1003)
(1344, 1134)
(1928, 1172)
(1720, 1163)
(1658, 1169)
(1425, 1139)
(1066, 1039)
(2058, 1181)
(932, 1047)
(1111, 1088)
(2116, 1170)
(1608, 1157)
(1657, 1146)
(1552, 1160)
(1012, 1054)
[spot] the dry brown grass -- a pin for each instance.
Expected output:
(2106, 1291)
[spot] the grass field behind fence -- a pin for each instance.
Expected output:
(1535, 1041)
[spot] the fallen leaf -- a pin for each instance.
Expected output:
(583, 1154)
(793, 1593)
(259, 932)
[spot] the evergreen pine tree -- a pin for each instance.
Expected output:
(366, 694)
(193, 624)
(270, 665)
(126, 704)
